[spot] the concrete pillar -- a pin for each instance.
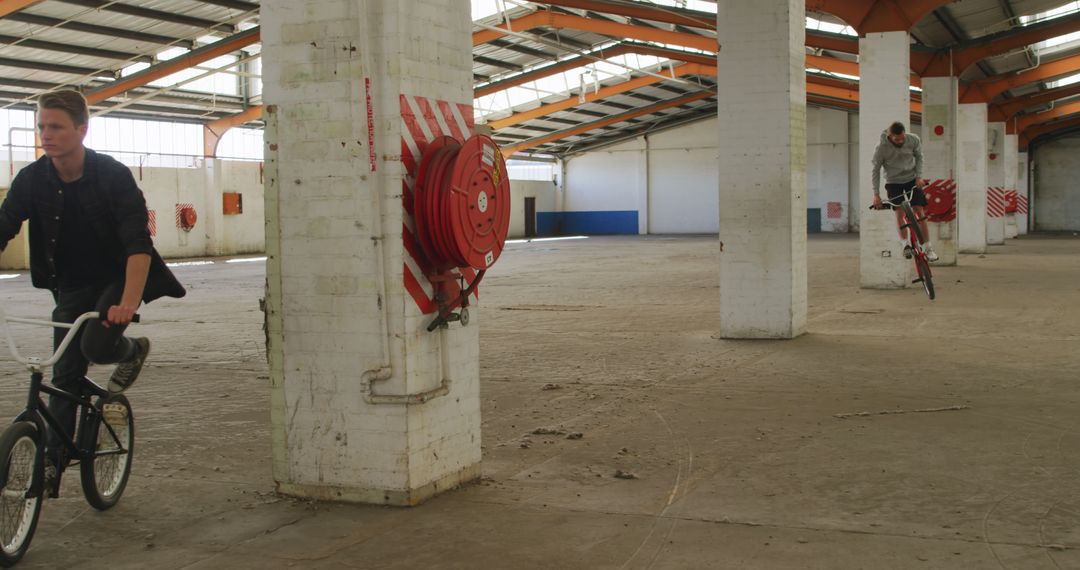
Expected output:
(1022, 189)
(762, 160)
(972, 183)
(1012, 148)
(995, 183)
(884, 97)
(365, 404)
(940, 154)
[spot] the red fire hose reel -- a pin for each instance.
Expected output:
(462, 210)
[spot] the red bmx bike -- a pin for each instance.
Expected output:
(915, 237)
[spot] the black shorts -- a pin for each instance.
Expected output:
(896, 194)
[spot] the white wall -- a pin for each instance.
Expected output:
(214, 234)
(1056, 194)
(544, 192)
(827, 145)
(670, 178)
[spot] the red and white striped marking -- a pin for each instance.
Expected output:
(179, 212)
(422, 120)
(995, 202)
(1021, 204)
(151, 225)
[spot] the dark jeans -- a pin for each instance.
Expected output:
(93, 343)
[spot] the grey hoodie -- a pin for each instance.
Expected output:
(902, 163)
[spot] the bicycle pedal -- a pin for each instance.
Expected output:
(917, 281)
(114, 414)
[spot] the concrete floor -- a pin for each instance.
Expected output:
(822, 452)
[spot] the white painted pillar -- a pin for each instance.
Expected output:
(643, 185)
(884, 97)
(1022, 188)
(365, 404)
(1012, 148)
(995, 181)
(939, 159)
(972, 181)
(762, 150)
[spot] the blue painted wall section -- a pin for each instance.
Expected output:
(587, 223)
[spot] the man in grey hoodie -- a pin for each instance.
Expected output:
(900, 154)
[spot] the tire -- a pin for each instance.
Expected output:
(112, 432)
(913, 224)
(924, 274)
(20, 449)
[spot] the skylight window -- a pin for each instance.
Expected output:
(1058, 43)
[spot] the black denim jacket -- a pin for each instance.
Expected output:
(116, 209)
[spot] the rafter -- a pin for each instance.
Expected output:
(99, 30)
(151, 14)
(1058, 112)
(69, 48)
(986, 90)
(945, 63)
(1010, 107)
(608, 121)
(614, 29)
(869, 16)
(214, 130)
(166, 68)
(1033, 133)
(13, 6)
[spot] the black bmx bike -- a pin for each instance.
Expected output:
(916, 239)
(101, 446)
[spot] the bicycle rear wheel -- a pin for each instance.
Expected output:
(20, 446)
(923, 268)
(110, 435)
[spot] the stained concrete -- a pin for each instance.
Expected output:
(747, 454)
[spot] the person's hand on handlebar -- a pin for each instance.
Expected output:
(877, 202)
(119, 315)
(921, 182)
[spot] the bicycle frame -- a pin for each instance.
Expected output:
(38, 413)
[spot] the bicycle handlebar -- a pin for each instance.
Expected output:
(73, 328)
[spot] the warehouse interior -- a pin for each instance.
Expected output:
(690, 344)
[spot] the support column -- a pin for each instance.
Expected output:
(939, 162)
(365, 404)
(1022, 189)
(972, 183)
(995, 183)
(1012, 148)
(762, 113)
(884, 97)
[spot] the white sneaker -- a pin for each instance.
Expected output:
(930, 254)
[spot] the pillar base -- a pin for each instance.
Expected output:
(388, 497)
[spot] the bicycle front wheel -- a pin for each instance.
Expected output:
(924, 274)
(110, 436)
(913, 224)
(20, 445)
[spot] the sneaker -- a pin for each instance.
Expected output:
(127, 371)
(908, 252)
(930, 254)
(51, 479)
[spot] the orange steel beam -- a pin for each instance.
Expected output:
(877, 15)
(688, 18)
(986, 90)
(214, 130)
(11, 6)
(602, 93)
(1034, 132)
(507, 151)
(1057, 112)
(1010, 107)
(615, 29)
(941, 64)
(814, 85)
(166, 68)
(581, 62)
